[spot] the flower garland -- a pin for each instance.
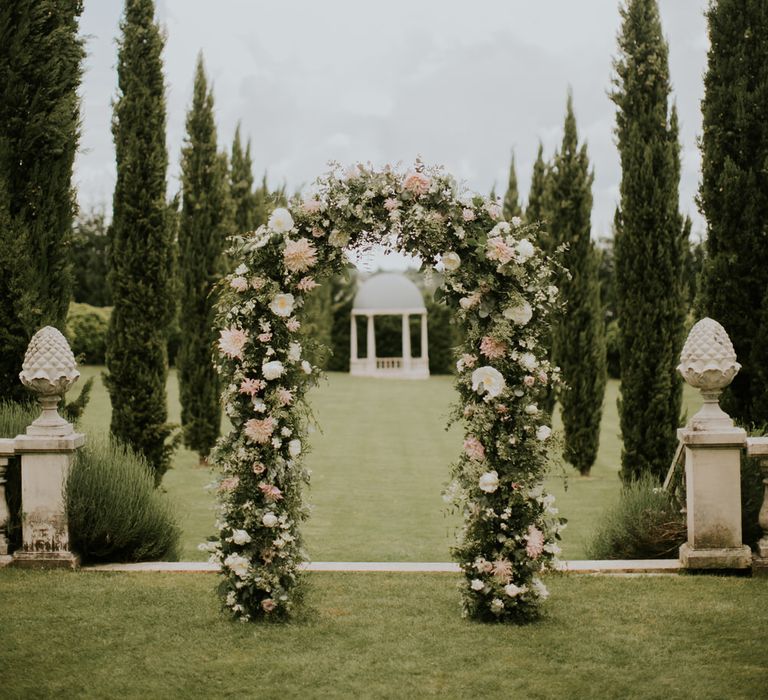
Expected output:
(498, 281)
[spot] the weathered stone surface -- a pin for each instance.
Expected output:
(715, 558)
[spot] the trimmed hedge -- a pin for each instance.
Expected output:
(87, 332)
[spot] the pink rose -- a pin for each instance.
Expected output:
(468, 214)
(474, 449)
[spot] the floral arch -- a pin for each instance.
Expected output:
(499, 283)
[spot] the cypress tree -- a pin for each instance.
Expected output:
(141, 260)
(649, 245)
(241, 186)
(202, 230)
(40, 71)
(534, 211)
(579, 335)
(511, 206)
(734, 195)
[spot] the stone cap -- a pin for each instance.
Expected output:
(7, 447)
(757, 446)
(724, 437)
(40, 443)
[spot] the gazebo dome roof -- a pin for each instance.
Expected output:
(389, 292)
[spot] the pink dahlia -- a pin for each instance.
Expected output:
(492, 349)
(252, 386)
(535, 545)
(284, 396)
(293, 324)
(498, 250)
(260, 430)
(415, 182)
(299, 255)
(232, 341)
(306, 284)
(502, 569)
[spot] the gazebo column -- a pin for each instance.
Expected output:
(353, 338)
(406, 342)
(424, 343)
(371, 345)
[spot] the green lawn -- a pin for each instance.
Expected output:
(378, 470)
(100, 635)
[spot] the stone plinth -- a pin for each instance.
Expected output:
(45, 464)
(713, 499)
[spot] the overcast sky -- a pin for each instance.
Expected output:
(459, 83)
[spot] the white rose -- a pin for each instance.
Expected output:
(241, 270)
(451, 261)
(476, 584)
(519, 314)
(240, 537)
(512, 590)
(543, 432)
(294, 448)
(525, 250)
(239, 565)
(294, 352)
(258, 405)
(531, 409)
(497, 605)
(528, 361)
(306, 367)
(282, 305)
(516, 221)
(487, 379)
(489, 482)
(499, 229)
(280, 221)
(272, 370)
(269, 520)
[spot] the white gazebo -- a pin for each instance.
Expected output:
(389, 294)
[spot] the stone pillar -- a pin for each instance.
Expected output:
(353, 338)
(424, 339)
(713, 500)
(6, 452)
(712, 456)
(45, 464)
(758, 448)
(47, 451)
(371, 346)
(406, 342)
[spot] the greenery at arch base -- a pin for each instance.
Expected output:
(499, 284)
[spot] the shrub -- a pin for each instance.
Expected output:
(114, 511)
(646, 523)
(87, 330)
